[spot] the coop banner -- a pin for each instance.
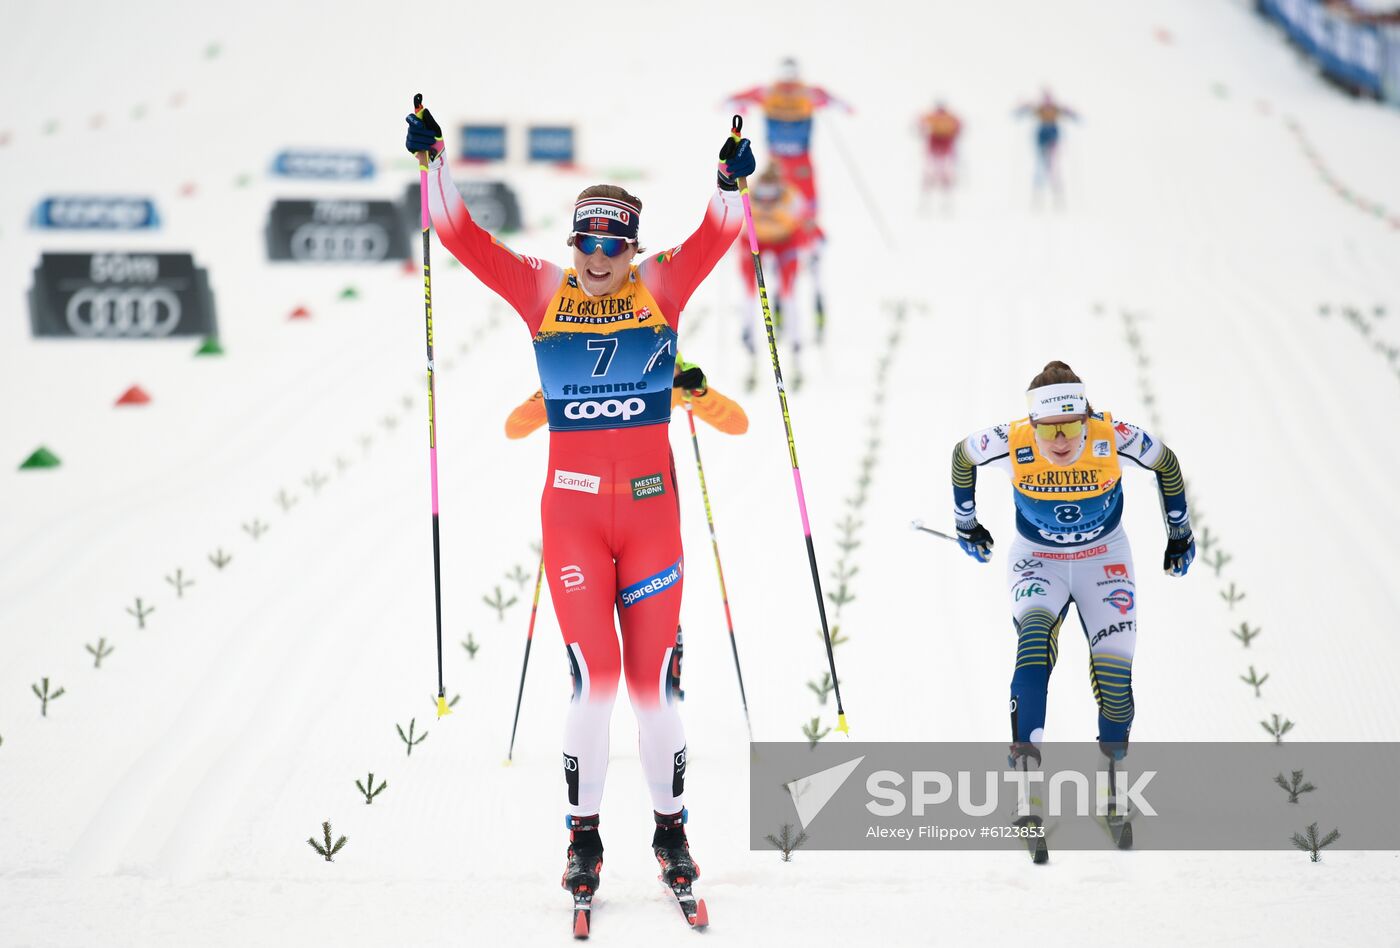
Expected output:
(120, 296)
(492, 204)
(839, 795)
(483, 143)
(335, 231)
(551, 143)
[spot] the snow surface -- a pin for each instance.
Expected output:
(167, 797)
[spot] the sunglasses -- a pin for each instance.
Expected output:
(611, 246)
(1070, 429)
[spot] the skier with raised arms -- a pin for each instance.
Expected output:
(604, 332)
(1048, 114)
(1065, 462)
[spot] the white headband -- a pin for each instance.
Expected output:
(1066, 398)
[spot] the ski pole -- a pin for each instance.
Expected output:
(714, 542)
(736, 129)
(426, 222)
(919, 525)
(870, 204)
(529, 637)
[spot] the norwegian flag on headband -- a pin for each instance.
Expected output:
(607, 216)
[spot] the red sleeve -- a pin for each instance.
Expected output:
(673, 275)
(526, 283)
(741, 100)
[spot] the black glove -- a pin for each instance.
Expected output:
(1180, 552)
(424, 134)
(739, 162)
(976, 542)
(690, 377)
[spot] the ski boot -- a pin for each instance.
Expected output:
(678, 870)
(1117, 821)
(583, 871)
(1023, 756)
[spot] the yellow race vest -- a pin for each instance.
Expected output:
(1068, 505)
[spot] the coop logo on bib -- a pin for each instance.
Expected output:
(569, 480)
(608, 408)
(652, 585)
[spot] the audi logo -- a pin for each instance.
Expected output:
(133, 311)
(312, 241)
(570, 763)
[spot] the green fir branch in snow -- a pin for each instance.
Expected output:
(841, 574)
(180, 582)
(470, 644)
(1277, 728)
(1204, 539)
(1311, 844)
(786, 843)
(389, 422)
(315, 480)
(1245, 634)
(450, 704)
(99, 652)
(499, 603)
(219, 558)
(850, 526)
(286, 499)
(406, 401)
(140, 612)
(368, 788)
(1253, 680)
(328, 850)
(520, 576)
(45, 696)
(823, 689)
(1295, 786)
(814, 732)
(341, 463)
(255, 529)
(1231, 595)
(408, 738)
(836, 637)
(366, 442)
(1218, 560)
(840, 596)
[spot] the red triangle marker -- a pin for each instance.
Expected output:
(301, 312)
(135, 395)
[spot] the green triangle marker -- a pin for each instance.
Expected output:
(41, 458)
(349, 293)
(210, 347)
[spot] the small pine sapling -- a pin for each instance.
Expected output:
(814, 732)
(823, 689)
(836, 637)
(328, 850)
(472, 647)
(408, 738)
(99, 652)
(140, 612)
(786, 843)
(1245, 634)
(840, 596)
(219, 558)
(180, 582)
(1231, 595)
(286, 499)
(1217, 561)
(1312, 845)
(1295, 786)
(368, 788)
(1277, 728)
(1254, 680)
(519, 575)
(45, 696)
(255, 529)
(499, 603)
(315, 480)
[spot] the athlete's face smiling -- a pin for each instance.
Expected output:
(601, 275)
(1060, 449)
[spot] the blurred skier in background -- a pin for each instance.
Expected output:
(786, 231)
(789, 108)
(1065, 462)
(604, 332)
(940, 129)
(1047, 113)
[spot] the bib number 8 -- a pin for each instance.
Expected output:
(1067, 513)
